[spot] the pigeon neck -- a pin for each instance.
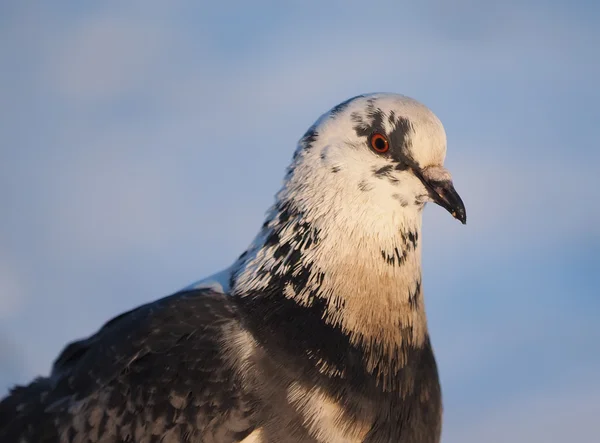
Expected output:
(364, 283)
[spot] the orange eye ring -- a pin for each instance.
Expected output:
(379, 143)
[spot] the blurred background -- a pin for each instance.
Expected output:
(141, 144)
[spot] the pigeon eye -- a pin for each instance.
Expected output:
(379, 143)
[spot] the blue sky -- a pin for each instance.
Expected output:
(141, 144)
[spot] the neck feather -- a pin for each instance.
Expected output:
(363, 279)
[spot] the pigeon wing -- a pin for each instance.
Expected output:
(156, 373)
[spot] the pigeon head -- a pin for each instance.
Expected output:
(382, 152)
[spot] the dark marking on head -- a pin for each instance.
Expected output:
(308, 139)
(402, 166)
(383, 171)
(402, 200)
(420, 200)
(386, 172)
(399, 136)
(392, 117)
(365, 186)
(373, 123)
(335, 169)
(339, 108)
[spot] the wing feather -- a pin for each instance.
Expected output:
(155, 372)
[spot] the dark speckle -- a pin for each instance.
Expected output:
(272, 239)
(335, 169)
(365, 186)
(412, 238)
(386, 172)
(305, 235)
(401, 257)
(402, 200)
(420, 200)
(415, 296)
(299, 280)
(383, 171)
(356, 118)
(390, 259)
(295, 257)
(396, 257)
(286, 212)
(320, 277)
(282, 251)
(309, 137)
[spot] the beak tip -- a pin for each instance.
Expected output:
(461, 216)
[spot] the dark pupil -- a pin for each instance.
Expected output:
(379, 143)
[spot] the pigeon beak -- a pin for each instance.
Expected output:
(446, 196)
(442, 192)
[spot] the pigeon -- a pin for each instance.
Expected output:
(316, 333)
